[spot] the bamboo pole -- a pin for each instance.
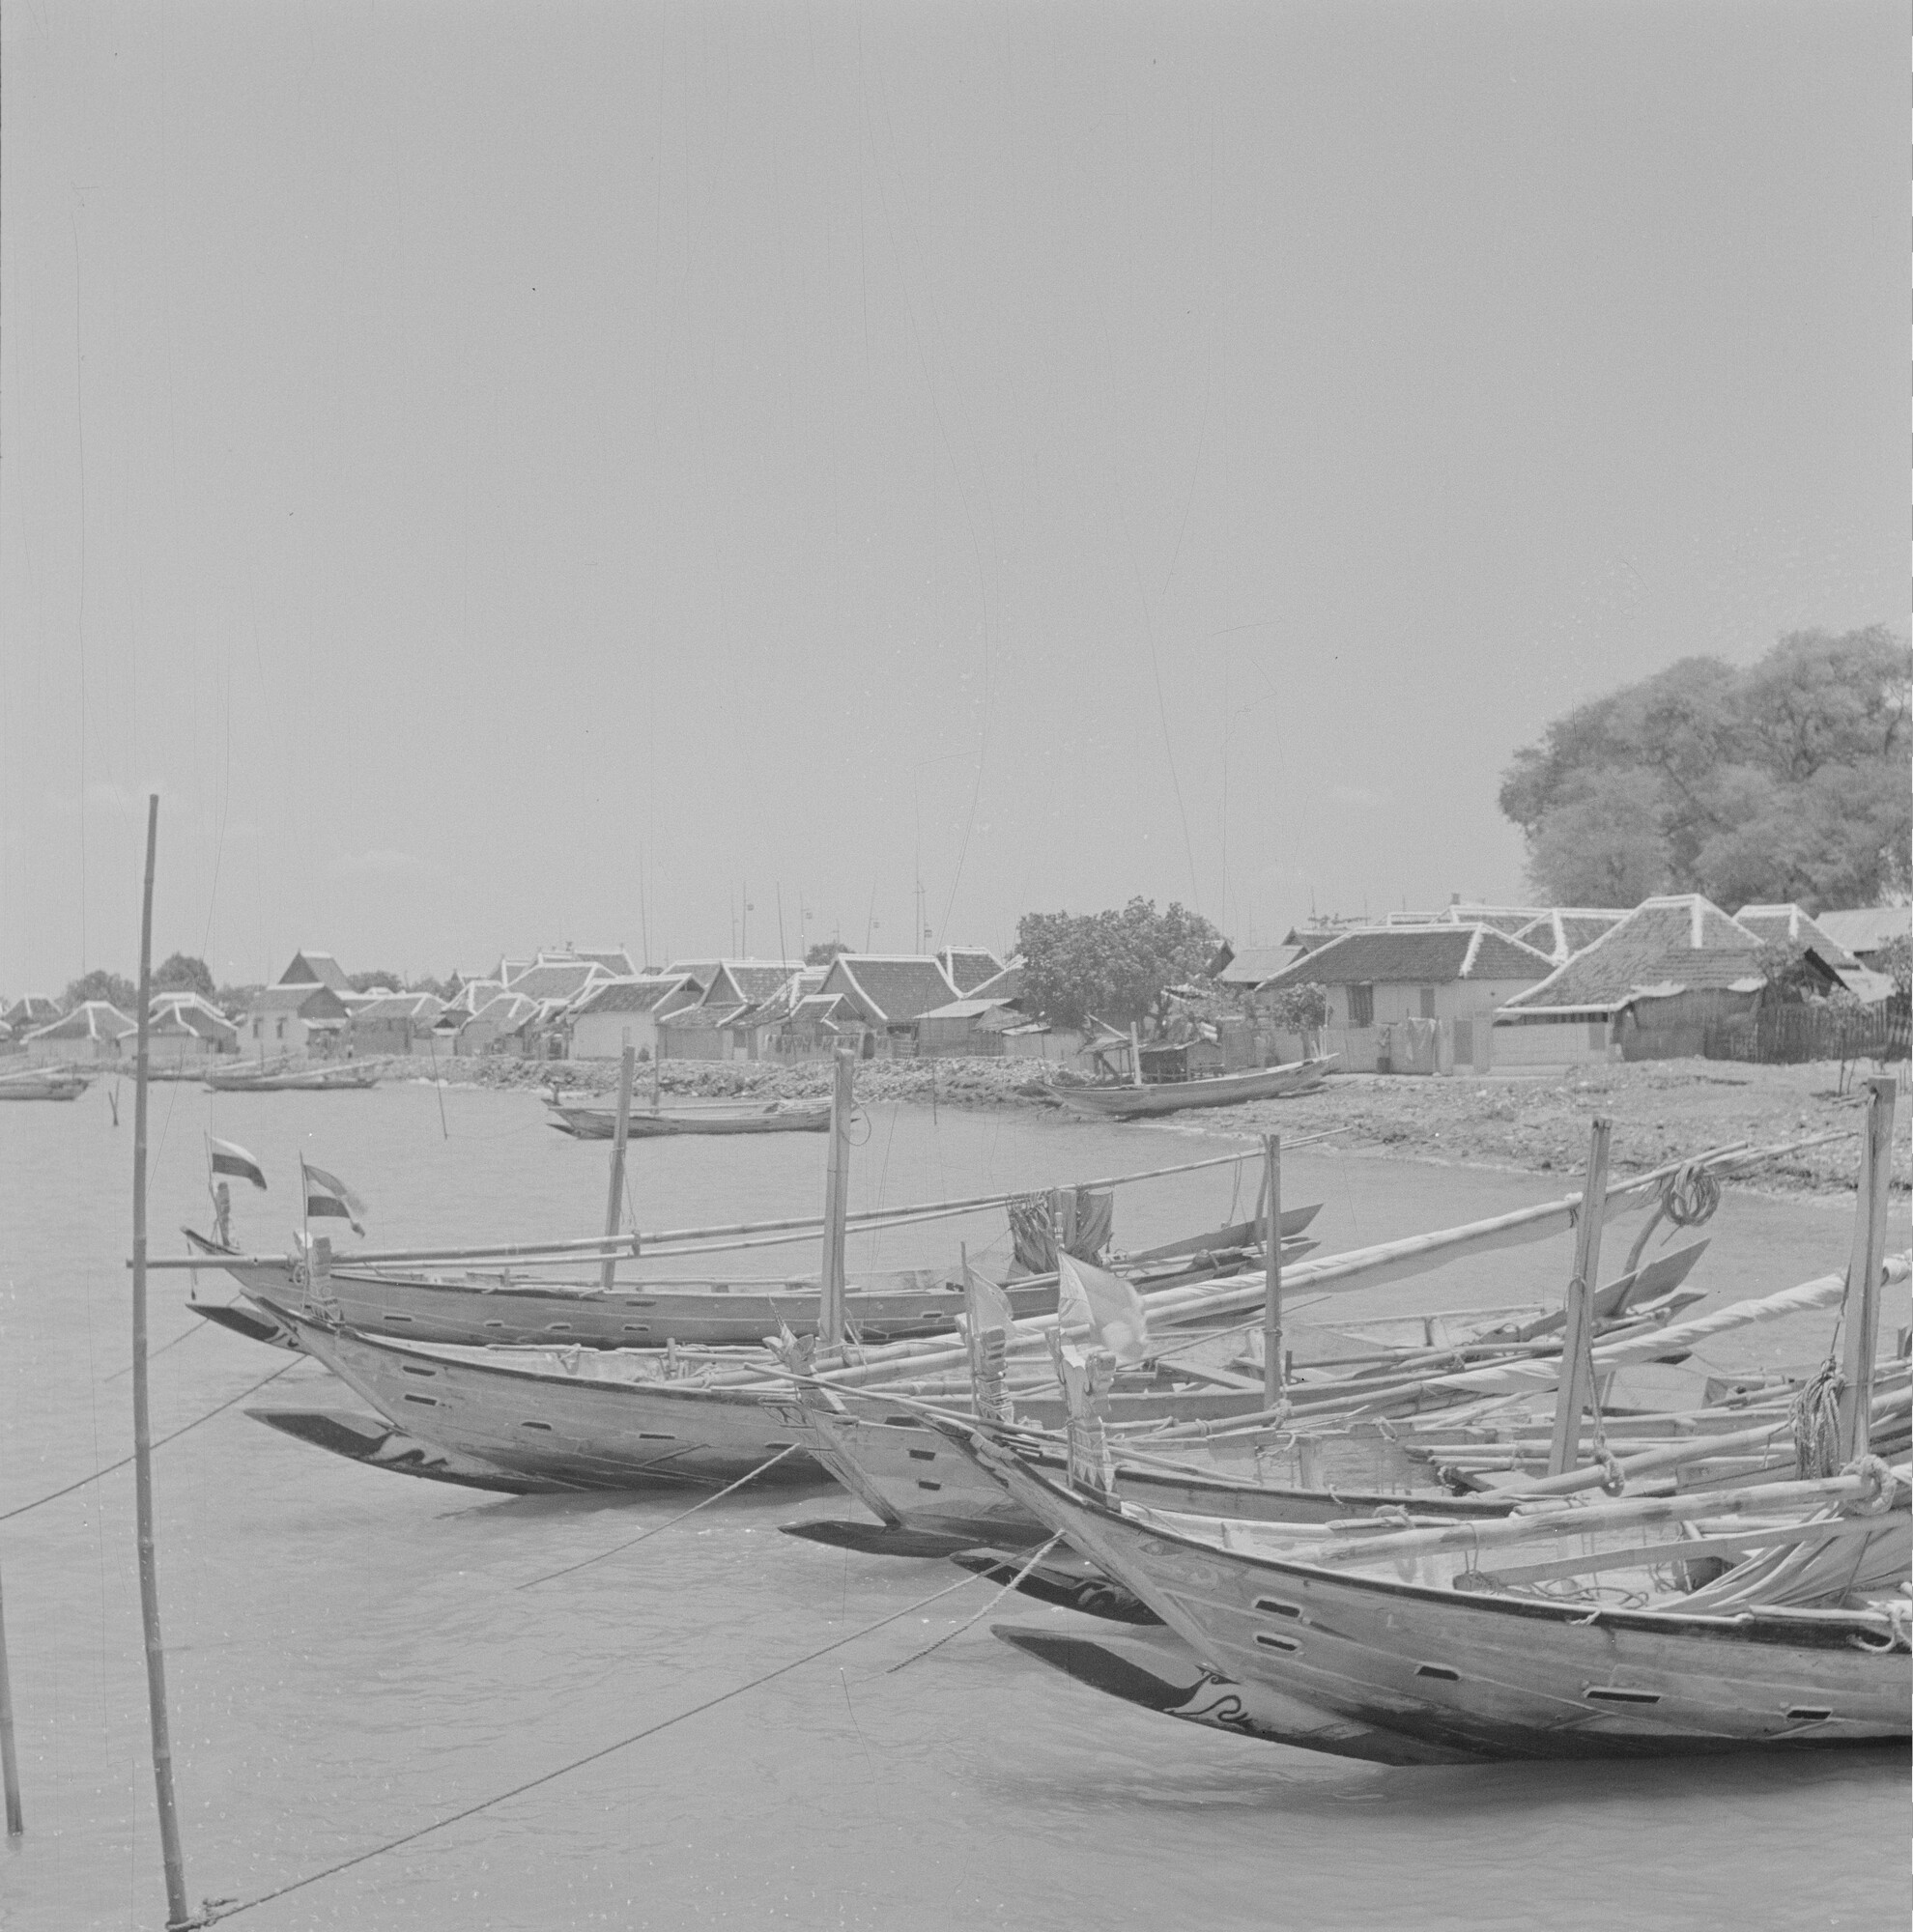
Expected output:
(1862, 1306)
(615, 1206)
(9, 1769)
(1272, 1271)
(837, 1195)
(1577, 1388)
(1135, 1055)
(149, 1573)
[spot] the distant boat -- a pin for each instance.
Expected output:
(43, 1083)
(292, 1078)
(600, 1124)
(1170, 1096)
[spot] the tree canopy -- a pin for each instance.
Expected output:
(182, 973)
(1116, 965)
(824, 951)
(1788, 780)
(100, 985)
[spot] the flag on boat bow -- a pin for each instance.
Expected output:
(1090, 1300)
(327, 1194)
(230, 1158)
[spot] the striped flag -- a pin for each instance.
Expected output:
(327, 1194)
(229, 1158)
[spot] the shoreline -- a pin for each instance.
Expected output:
(1514, 1123)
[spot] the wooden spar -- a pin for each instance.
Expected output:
(837, 1195)
(1862, 1306)
(1272, 1271)
(9, 1769)
(1577, 1388)
(1135, 1055)
(657, 1070)
(615, 1206)
(149, 1573)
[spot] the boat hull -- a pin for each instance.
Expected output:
(1224, 1089)
(600, 1124)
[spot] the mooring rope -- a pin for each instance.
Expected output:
(658, 1529)
(7, 1515)
(213, 1910)
(1036, 1557)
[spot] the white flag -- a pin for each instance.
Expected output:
(1091, 1300)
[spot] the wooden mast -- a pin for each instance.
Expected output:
(1271, 1270)
(615, 1206)
(1576, 1384)
(149, 1575)
(836, 1199)
(1863, 1272)
(9, 1769)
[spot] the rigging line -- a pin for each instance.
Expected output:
(199, 1322)
(657, 1529)
(1036, 1557)
(159, 1443)
(217, 1909)
(79, 619)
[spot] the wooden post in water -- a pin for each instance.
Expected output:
(149, 1573)
(1860, 1336)
(615, 1206)
(1271, 1270)
(1135, 1055)
(9, 1769)
(837, 1198)
(1576, 1389)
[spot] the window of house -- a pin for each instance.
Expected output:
(1427, 1002)
(1361, 1005)
(282, 1027)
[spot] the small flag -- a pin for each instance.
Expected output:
(327, 1194)
(1092, 1299)
(228, 1158)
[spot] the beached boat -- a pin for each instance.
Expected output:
(502, 1308)
(294, 1078)
(1127, 1102)
(779, 1116)
(1769, 1616)
(43, 1083)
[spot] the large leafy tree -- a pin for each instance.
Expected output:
(1786, 781)
(184, 973)
(1118, 965)
(100, 985)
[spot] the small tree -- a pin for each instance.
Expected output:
(824, 951)
(184, 973)
(100, 985)
(1303, 1009)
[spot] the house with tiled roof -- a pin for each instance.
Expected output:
(297, 1017)
(95, 1030)
(1561, 931)
(186, 1030)
(1646, 989)
(1832, 964)
(969, 966)
(558, 980)
(507, 1023)
(1248, 969)
(315, 969)
(614, 959)
(888, 991)
(30, 1010)
(395, 1023)
(604, 1013)
(1411, 998)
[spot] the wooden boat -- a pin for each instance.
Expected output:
(1770, 1617)
(43, 1083)
(1123, 1102)
(294, 1079)
(779, 1117)
(498, 1308)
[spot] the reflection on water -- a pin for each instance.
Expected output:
(351, 1654)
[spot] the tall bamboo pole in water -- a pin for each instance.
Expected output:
(837, 1198)
(614, 1207)
(1859, 1338)
(149, 1573)
(1271, 1270)
(9, 1770)
(1576, 1384)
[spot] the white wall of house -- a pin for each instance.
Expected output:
(1552, 1043)
(601, 1036)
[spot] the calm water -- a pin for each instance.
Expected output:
(351, 1654)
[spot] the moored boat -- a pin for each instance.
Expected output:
(43, 1083)
(1127, 1102)
(294, 1078)
(779, 1116)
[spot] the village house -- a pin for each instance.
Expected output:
(394, 1023)
(1832, 964)
(95, 1030)
(506, 1024)
(315, 969)
(969, 967)
(888, 993)
(1412, 999)
(1866, 931)
(30, 1013)
(721, 1025)
(606, 1012)
(187, 1031)
(301, 1016)
(1647, 988)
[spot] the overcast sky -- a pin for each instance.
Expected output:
(508, 474)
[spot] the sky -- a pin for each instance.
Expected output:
(510, 475)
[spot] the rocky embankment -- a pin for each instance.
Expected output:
(1661, 1110)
